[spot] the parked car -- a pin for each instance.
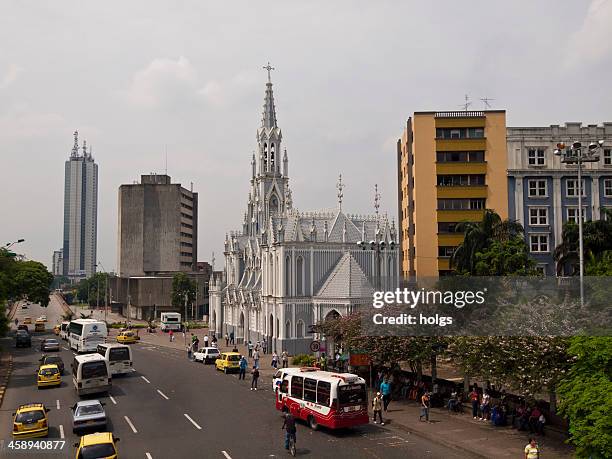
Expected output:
(23, 338)
(88, 414)
(101, 444)
(56, 330)
(53, 360)
(30, 421)
(48, 375)
(207, 355)
(229, 361)
(49, 344)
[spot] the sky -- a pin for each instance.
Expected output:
(142, 78)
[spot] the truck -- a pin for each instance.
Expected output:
(170, 321)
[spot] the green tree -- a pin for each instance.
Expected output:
(585, 396)
(505, 257)
(34, 281)
(600, 265)
(181, 285)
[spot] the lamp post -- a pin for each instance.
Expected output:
(575, 154)
(8, 245)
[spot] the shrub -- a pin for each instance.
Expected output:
(303, 360)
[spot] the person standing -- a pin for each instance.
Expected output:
(214, 340)
(474, 397)
(206, 340)
(485, 406)
(189, 351)
(231, 337)
(264, 346)
(242, 366)
(196, 343)
(256, 358)
(385, 389)
(275, 360)
(255, 377)
(171, 334)
(377, 408)
(424, 407)
(226, 339)
(285, 359)
(250, 348)
(532, 450)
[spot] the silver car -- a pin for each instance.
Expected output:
(88, 414)
(50, 344)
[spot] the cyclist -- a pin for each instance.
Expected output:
(289, 426)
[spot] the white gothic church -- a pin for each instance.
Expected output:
(286, 270)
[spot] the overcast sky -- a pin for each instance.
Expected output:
(138, 77)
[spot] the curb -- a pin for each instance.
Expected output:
(5, 378)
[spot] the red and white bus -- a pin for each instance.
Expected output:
(323, 398)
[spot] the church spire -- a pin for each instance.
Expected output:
(269, 112)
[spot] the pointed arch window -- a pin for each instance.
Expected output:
(273, 203)
(299, 276)
(299, 329)
(265, 155)
(288, 329)
(272, 152)
(288, 276)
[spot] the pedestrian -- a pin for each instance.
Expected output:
(452, 401)
(206, 340)
(214, 340)
(285, 359)
(532, 450)
(226, 339)
(533, 420)
(424, 407)
(485, 406)
(231, 337)
(235, 348)
(242, 366)
(250, 348)
(385, 388)
(256, 358)
(377, 408)
(196, 342)
(171, 334)
(474, 397)
(254, 379)
(186, 327)
(264, 346)
(275, 360)
(189, 352)
(541, 422)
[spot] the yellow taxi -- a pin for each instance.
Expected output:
(101, 444)
(229, 361)
(31, 421)
(49, 375)
(27, 320)
(56, 330)
(126, 337)
(39, 326)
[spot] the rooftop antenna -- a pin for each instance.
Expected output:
(75, 147)
(485, 100)
(340, 186)
(84, 148)
(466, 104)
(376, 199)
(166, 168)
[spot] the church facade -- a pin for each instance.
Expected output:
(286, 270)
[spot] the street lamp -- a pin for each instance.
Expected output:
(377, 247)
(575, 154)
(8, 245)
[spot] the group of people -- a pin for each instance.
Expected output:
(259, 346)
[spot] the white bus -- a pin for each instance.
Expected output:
(91, 374)
(86, 334)
(119, 357)
(64, 330)
(170, 321)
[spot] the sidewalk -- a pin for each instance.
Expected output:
(472, 436)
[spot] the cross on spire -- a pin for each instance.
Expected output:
(340, 186)
(376, 199)
(269, 68)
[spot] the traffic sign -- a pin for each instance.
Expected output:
(315, 346)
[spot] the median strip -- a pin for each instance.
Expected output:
(192, 421)
(130, 424)
(146, 380)
(162, 394)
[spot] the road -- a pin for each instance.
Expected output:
(172, 408)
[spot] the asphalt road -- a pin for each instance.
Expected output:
(172, 408)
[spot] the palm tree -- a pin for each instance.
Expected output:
(478, 236)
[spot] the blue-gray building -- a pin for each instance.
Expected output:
(543, 191)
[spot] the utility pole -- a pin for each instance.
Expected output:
(185, 324)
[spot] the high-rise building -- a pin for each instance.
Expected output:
(543, 191)
(58, 262)
(80, 213)
(158, 227)
(451, 166)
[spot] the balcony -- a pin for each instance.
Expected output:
(443, 263)
(460, 215)
(478, 191)
(461, 168)
(450, 239)
(461, 144)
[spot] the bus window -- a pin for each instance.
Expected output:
(310, 390)
(93, 370)
(119, 353)
(297, 387)
(284, 386)
(351, 394)
(323, 390)
(102, 350)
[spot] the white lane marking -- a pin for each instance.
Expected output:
(226, 455)
(162, 394)
(146, 380)
(57, 404)
(65, 348)
(133, 369)
(61, 427)
(148, 455)
(130, 424)
(112, 399)
(192, 421)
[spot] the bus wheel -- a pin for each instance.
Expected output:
(312, 423)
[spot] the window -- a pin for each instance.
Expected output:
(300, 329)
(538, 242)
(288, 329)
(352, 394)
(460, 156)
(119, 353)
(608, 187)
(538, 216)
(535, 157)
(541, 269)
(460, 133)
(310, 390)
(461, 204)
(297, 386)
(299, 274)
(446, 251)
(571, 188)
(607, 157)
(537, 188)
(572, 214)
(323, 392)
(461, 180)
(93, 370)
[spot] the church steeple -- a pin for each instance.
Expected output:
(269, 113)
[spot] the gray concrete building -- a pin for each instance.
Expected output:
(57, 267)
(158, 227)
(542, 191)
(80, 213)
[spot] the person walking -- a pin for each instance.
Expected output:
(425, 407)
(255, 377)
(377, 408)
(196, 343)
(385, 389)
(189, 351)
(226, 340)
(474, 397)
(171, 334)
(231, 337)
(250, 348)
(242, 366)
(285, 359)
(206, 340)
(275, 360)
(485, 406)
(214, 340)
(532, 450)
(256, 358)
(264, 347)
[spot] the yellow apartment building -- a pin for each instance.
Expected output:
(451, 166)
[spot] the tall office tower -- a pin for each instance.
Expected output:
(158, 227)
(58, 262)
(451, 166)
(80, 212)
(543, 190)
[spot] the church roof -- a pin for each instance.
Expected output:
(347, 280)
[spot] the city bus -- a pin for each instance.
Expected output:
(170, 321)
(323, 398)
(84, 335)
(91, 374)
(119, 357)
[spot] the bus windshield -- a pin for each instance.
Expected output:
(352, 394)
(76, 328)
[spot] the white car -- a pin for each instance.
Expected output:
(207, 355)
